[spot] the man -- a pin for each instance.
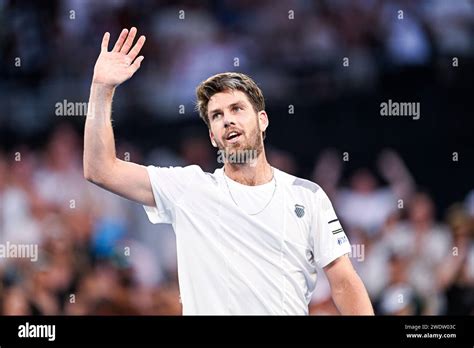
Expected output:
(249, 236)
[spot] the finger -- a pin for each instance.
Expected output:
(136, 64)
(128, 43)
(105, 42)
(120, 40)
(136, 49)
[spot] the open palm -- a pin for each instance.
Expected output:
(117, 66)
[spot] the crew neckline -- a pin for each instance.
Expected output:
(236, 183)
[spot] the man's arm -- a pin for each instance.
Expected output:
(101, 166)
(348, 291)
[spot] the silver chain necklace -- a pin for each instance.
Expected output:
(266, 205)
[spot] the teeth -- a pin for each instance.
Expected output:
(231, 134)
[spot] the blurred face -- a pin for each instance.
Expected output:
(421, 209)
(16, 302)
(363, 181)
(235, 127)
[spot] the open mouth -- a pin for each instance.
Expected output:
(233, 137)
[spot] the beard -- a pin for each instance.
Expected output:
(244, 151)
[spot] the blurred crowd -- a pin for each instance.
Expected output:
(187, 41)
(98, 254)
(411, 262)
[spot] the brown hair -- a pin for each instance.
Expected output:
(227, 81)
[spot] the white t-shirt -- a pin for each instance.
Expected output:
(233, 262)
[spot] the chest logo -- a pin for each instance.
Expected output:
(299, 210)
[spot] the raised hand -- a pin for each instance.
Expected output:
(117, 66)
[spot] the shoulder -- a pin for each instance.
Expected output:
(188, 174)
(303, 188)
(298, 184)
(306, 191)
(175, 169)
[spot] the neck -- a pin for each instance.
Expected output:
(257, 172)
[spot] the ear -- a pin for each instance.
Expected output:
(263, 120)
(211, 136)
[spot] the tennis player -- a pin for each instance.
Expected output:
(250, 237)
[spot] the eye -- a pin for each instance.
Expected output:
(236, 108)
(214, 116)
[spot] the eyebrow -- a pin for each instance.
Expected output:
(237, 103)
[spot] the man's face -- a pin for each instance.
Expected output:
(235, 127)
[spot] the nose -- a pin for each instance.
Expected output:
(228, 119)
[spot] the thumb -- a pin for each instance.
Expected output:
(136, 64)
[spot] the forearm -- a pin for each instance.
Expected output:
(99, 143)
(351, 298)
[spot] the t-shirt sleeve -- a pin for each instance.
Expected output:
(169, 185)
(330, 240)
